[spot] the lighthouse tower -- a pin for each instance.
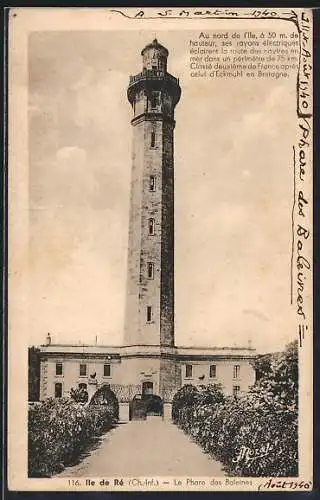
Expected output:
(153, 95)
(148, 369)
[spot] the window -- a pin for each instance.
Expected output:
(106, 370)
(188, 371)
(83, 370)
(147, 387)
(59, 369)
(236, 371)
(155, 99)
(149, 314)
(213, 371)
(152, 183)
(153, 139)
(151, 226)
(58, 390)
(236, 390)
(150, 270)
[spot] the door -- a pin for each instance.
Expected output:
(153, 403)
(137, 408)
(58, 390)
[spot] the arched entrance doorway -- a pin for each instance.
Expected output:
(146, 403)
(154, 405)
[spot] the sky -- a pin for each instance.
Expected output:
(233, 195)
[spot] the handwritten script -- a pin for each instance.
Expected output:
(205, 13)
(282, 484)
(302, 158)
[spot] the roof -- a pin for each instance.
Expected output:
(155, 44)
(180, 352)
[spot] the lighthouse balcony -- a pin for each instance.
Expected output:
(153, 75)
(154, 80)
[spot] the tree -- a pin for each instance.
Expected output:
(278, 383)
(33, 373)
(262, 365)
(285, 375)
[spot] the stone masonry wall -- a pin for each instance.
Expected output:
(167, 242)
(158, 248)
(134, 243)
(151, 244)
(170, 378)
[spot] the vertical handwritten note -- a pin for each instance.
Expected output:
(302, 208)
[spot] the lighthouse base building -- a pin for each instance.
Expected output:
(149, 363)
(138, 370)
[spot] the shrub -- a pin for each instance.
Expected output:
(211, 394)
(189, 396)
(247, 440)
(79, 395)
(254, 435)
(59, 430)
(106, 397)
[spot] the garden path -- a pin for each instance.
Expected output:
(146, 448)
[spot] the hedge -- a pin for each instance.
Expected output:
(248, 441)
(59, 430)
(252, 435)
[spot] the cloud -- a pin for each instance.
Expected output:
(246, 173)
(71, 156)
(85, 79)
(257, 314)
(232, 236)
(71, 182)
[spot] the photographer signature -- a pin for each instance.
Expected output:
(248, 455)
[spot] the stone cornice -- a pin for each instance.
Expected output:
(144, 351)
(152, 117)
(216, 351)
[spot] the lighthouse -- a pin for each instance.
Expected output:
(149, 365)
(153, 94)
